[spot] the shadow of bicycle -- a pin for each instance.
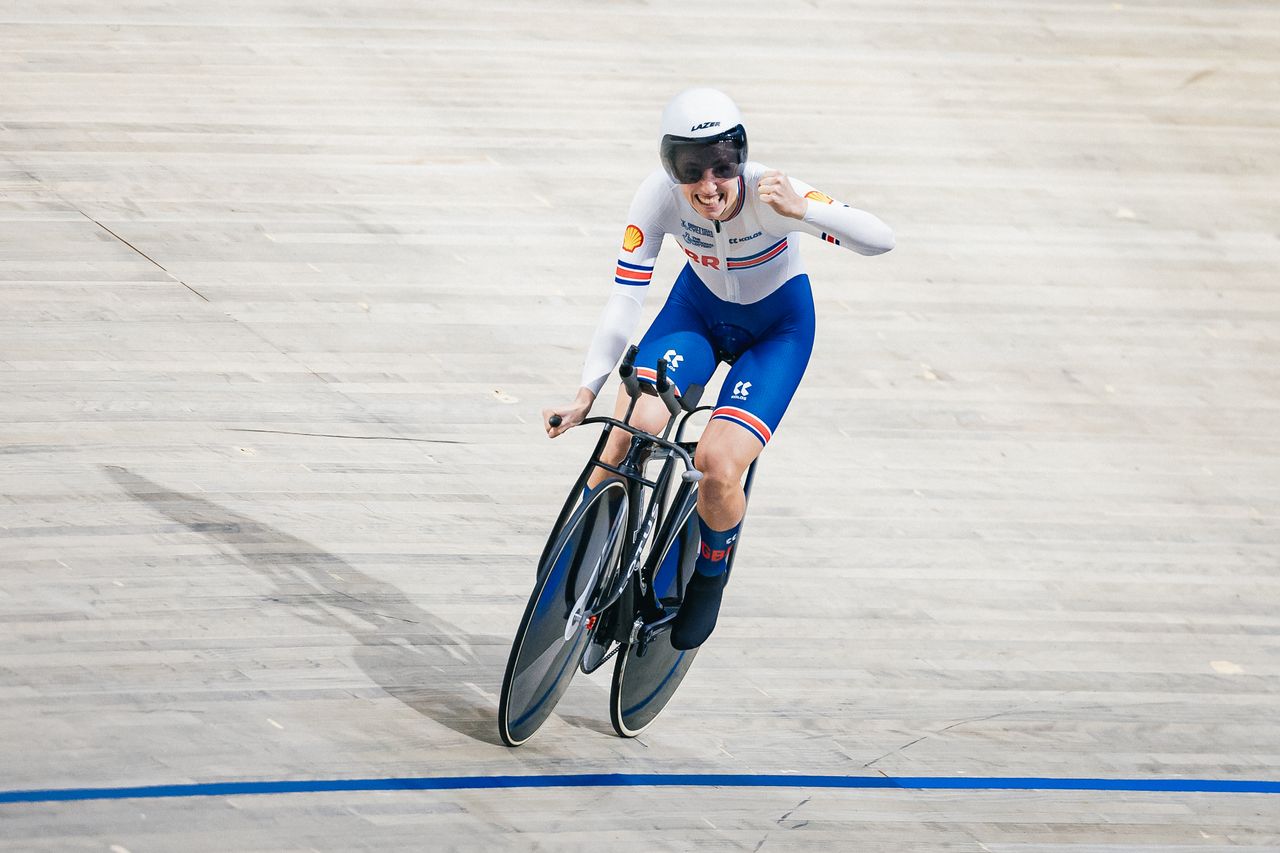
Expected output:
(424, 661)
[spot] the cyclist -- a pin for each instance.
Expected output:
(743, 298)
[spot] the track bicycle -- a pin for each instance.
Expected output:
(612, 575)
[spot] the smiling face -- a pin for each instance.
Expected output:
(711, 197)
(707, 169)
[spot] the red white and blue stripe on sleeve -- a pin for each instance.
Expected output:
(632, 273)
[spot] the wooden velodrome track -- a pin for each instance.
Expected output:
(284, 287)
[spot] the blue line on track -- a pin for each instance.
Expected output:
(611, 780)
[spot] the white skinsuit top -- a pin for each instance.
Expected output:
(743, 258)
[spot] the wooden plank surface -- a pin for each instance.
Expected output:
(283, 289)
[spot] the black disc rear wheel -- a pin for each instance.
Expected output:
(556, 622)
(643, 684)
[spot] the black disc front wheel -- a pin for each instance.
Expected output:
(554, 629)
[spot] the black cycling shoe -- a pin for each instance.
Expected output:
(697, 617)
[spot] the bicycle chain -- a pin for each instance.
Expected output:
(613, 651)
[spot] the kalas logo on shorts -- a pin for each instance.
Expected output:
(741, 390)
(673, 359)
(704, 126)
(632, 239)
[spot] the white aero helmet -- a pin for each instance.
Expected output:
(702, 129)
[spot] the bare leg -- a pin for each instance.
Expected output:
(650, 414)
(725, 451)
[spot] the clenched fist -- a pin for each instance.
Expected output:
(777, 192)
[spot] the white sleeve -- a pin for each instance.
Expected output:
(834, 222)
(641, 241)
(617, 322)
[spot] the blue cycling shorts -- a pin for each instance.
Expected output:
(768, 344)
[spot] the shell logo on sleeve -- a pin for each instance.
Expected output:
(817, 196)
(632, 239)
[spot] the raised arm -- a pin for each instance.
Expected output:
(799, 207)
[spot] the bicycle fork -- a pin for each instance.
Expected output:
(579, 609)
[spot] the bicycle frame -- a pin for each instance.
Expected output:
(651, 617)
(621, 552)
(645, 516)
(630, 466)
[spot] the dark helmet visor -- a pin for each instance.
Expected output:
(687, 160)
